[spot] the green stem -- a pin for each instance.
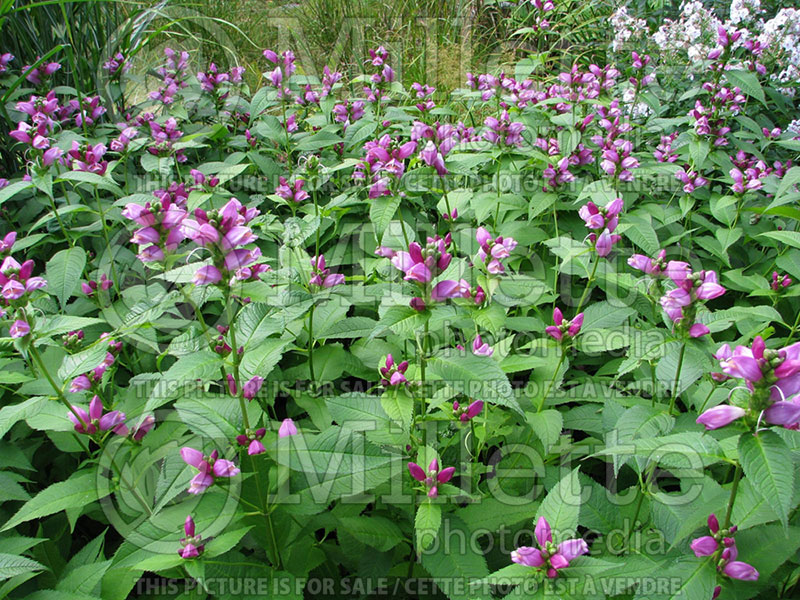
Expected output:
(677, 379)
(734, 488)
(236, 360)
(588, 284)
(422, 359)
(311, 345)
(552, 381)
(38, 359)
(114, 275)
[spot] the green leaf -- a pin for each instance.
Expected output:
(546, 425)
(476, 377)
(561, 507)
(263, 358)
(13, 189)
(766, 462)
(426, 524)
(399, 405)
(788, 181)
(64, 272)
(185, 373)
(375, 531)
(453, 571)
(695, 578)
(77, 491)
(318, 140)
(349, 328)
(790, 238)
(225, 542)
(382, 211)
(491, 514)
(748, 82)
(11, 566)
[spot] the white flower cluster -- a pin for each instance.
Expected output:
(781, 35)
(694, 32)
(626, 28)
(743, 11)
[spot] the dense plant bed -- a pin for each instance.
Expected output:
(339, 337)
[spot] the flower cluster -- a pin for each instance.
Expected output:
(690, 179)
(348, 113)
(721, 545)
(467, 413)
(780, 282)
(88, 158)
(291, 193)
(548, 555)
(604, 219)
(216, 82)
(563, 330)
(433, 477)
(503, 131)
(322, 276)
(284, 68)
(391, 373)
(383, 163)
(252, 440)
(117, 65)
(159, 221)
(224, 233)
(192, 545)
(164, 136)
(210, 467)
(92, 380)
(40, 75)
(681, 303)
(94, 421)
(493, 250)
(773, 378)
(89, 288)
(173, 76)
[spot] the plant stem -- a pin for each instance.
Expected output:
(677, 379)
(38, 359)
(422, 359)
(588, 284)
(311, 345)
(236, 360)
(552, 381)
(734, 488)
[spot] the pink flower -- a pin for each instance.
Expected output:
(392, 374)
(192, 545)
(450, 289)
(19, 329)
(472, 411)
(209, 467)
(287, 428)
(433, 477)
(207, 275)
(480, 348)
(563, 329)
(548, 555)
(252, 387)
(720, 416)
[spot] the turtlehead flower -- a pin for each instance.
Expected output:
(493, 250)
(563, 330)
(720, 416)
(650, 266)
(291, 193)
(392, 374)
(287, 428)
(192, 545)
(252, 440)
(19, 329)
(209, 467)
(322, 276)
(681, 303)
(780, 282)
(548, 555)
(94, 421)
(450, 289)
(252, 387)
(433, 477)
(467, 413)
(423, 264)
(481, 348)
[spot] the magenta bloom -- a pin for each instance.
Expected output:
(322, 276)
(95, 420)
(720, 416)
(481, 348)
(433, 477)
(468, 413)
(391, 373)
(287, 428)
(493, 250)
(423, 264)
(192, 545)
(252, 439)
(549, 555)
(450, 289)
(650, 266)
(209, 468)
(19, 329)
(563, 329)
(252, 387)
